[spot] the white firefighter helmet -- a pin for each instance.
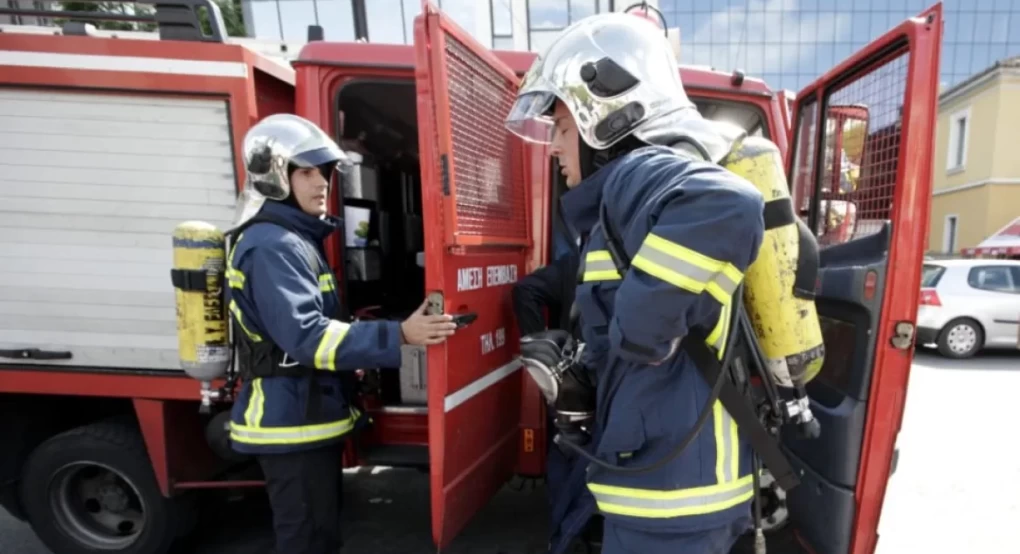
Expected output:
(615, 72)
(271, 148)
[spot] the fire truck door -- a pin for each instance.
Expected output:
(869, 283)
(476, 208)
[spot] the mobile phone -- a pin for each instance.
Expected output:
(464, 319)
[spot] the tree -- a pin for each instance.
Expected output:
(233, 18)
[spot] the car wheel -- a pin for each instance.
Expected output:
(93, 489)
(961, 338)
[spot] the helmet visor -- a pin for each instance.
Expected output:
(531, 117)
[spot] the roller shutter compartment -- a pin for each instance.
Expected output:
(92, 186)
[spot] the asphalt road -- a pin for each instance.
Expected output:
(957, 487)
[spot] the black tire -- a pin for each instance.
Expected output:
(99, 471)
(952, 329)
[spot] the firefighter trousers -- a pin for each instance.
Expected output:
(305, 495)
(625, 540)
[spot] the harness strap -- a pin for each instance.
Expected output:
(268, 359)
(735, 401)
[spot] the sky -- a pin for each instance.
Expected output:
(786, 42)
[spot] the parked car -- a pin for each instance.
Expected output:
(969, 305)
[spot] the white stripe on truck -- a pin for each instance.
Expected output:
(477, 386)
(139, 64)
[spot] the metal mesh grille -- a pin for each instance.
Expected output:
(489, 188)
(860, 149)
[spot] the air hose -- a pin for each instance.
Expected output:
(735, 326)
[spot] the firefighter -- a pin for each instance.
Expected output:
(292, 412)
(607, 98)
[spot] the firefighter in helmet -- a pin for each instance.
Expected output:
(293, 413)
(646, 186)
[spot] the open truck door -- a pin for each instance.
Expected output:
(475, 209)
(868, 290)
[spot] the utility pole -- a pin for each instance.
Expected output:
(360, 19)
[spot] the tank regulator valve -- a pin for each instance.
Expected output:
(799, 412)
(209, 395)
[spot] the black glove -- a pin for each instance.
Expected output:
(577, 392)
(546, 347)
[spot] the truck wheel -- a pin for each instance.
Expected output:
(92, 488)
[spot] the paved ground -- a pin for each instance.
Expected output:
(957, 488)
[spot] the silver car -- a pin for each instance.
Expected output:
(968, 305)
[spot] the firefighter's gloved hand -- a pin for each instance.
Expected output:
(577, 392)
(574, 408)
(545, 347)
(543, 354)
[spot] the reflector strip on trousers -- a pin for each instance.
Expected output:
(255, 337)
(325, 354)
(678, 503)
(598, 266)
(326, 282)
(292, 435)
(687, 269)
(727, 444)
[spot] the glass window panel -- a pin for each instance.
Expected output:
(384, 23)
(580, 9)
(548, 14)
(542, 39)
(503, 43)
(336, 18)
(502, 18)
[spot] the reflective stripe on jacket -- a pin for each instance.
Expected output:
(691, 229)
(275, 292)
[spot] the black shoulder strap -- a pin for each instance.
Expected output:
(780, 212)
(309, 249)
(735, 401)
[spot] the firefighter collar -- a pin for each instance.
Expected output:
(313, 228)
(581, 204)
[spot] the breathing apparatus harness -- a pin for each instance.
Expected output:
(729, 376)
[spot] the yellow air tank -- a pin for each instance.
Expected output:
(784, 320)
(197, 275)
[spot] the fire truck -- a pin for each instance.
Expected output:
(109, 142)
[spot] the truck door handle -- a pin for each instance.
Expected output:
(35, 354)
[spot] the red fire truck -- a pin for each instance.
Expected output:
(108, 143)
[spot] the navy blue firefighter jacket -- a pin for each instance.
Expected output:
(691, 229)
(282, 290)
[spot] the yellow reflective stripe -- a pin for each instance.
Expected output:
(292, 435)
(260, 407)
(253, 401)
(599, 266)
(735, 442)
(235, 278)
(727, 458)
(676, 503)
(684, 268)
(325, 354)
(255, 337)
(717, 338)
(717, 428)
(326, 282)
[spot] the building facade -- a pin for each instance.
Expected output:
(976, 179)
